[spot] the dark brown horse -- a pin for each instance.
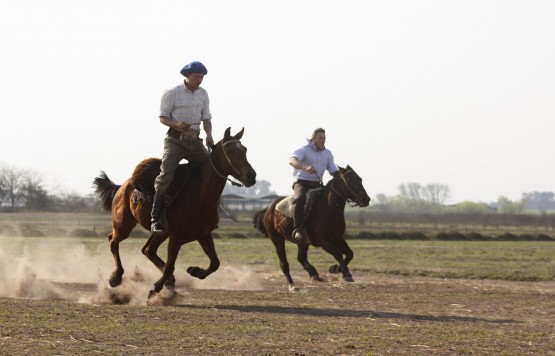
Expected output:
(191, 215)
(324, 223)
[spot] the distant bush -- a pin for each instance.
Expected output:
(478, 237)
(508, 237)
(236, 235)
(387, 235)
(413, 235)
(361, 235)
(542, 237)
(451, 236)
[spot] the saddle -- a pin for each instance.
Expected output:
(146, 172)
(287, 206)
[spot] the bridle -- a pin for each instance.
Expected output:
(338, 193)
(223, 144)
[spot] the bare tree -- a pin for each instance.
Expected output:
(436, 193)
(3, 184)
(541, 201)
(13, 180)
(36, 197)
(411, 192)
(506, 206)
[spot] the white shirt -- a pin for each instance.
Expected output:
(320, 159)
(182, 105)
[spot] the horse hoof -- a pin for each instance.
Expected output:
(151, 294)
(334, 269)
(292, 288)
(114, 281)
(196, 272)
(170, 282)
(348, 278)
(316, 278)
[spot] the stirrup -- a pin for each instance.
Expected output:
(157, 228)
(298, 235)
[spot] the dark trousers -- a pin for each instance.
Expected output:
(300, 188)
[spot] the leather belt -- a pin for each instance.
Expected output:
(191, 135)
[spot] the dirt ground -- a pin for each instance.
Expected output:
(377, 314)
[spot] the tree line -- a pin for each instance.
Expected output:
(431, 199)
(22, 189)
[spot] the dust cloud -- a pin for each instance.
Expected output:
(66, 269)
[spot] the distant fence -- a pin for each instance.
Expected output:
(238, 202)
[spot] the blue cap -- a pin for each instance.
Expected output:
(194, 67)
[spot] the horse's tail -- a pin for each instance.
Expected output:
(105, 189)
(258, 221)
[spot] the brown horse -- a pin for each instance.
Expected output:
(191, 215)
(324, 223)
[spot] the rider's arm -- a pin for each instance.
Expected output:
(294, 162)
(207, 126)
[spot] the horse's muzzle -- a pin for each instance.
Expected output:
(365, 201)
(249, 178)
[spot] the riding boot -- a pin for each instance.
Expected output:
(298, 218)
(157, 228)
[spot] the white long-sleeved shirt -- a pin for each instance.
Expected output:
(320, 159)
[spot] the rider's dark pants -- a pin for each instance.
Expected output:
(300, 188)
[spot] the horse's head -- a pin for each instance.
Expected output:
(231, 156)
(348, 185)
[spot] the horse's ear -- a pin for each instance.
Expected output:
(349, 168)
(240, 134)
(227, 135)
(341, 169)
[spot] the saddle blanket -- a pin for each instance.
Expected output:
(286, 206)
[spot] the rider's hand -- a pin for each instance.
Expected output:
(309, 169)
(209, 141)
(183, 127)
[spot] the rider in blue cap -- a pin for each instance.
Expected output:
(194, 67)
(183, 108)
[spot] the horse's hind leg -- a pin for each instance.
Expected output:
(123, 223)
(114, 239)
(207, 244)
(302, 257)
(279, 243)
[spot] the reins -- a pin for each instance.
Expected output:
(228, 160)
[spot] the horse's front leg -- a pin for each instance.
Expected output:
(302, 257)
(207, 244)
(341, 266)
(150, 250)
(344, 248)
(169, 267)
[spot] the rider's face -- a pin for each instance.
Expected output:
(194, 80)
(319, 140)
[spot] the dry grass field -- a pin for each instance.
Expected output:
(408, 298)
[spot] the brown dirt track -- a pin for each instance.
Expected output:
(378, 314)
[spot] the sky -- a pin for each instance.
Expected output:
(460, 93)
